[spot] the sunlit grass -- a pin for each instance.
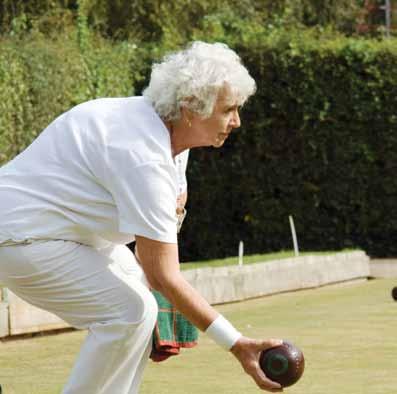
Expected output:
(347, 333)
(252, 259)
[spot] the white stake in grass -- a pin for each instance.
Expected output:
(294, 239)
(240, 253)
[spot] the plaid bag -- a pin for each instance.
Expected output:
(172, 331)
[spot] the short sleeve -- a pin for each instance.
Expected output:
(145, 196)
(181, 161)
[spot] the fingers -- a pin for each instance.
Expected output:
(264, 382)
(253, 369)
(269, 343)
(259, 376)
(247, 351)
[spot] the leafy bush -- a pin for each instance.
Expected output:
(318, 142)
(14, 110)
(157, 21)
(318, 139)
(40, 78)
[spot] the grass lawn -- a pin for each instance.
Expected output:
(254, 258)
(347, 333)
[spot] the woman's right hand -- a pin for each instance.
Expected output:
(248, 351)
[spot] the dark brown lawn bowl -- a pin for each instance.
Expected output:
(283, 364)
(394, 293)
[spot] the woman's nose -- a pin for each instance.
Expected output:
(236, 119)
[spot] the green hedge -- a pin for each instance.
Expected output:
(319, 142)
(156, 21)
(41, 78)
(318, 139)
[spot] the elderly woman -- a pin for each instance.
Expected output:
(100, 176)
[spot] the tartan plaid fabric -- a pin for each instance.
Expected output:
(172, 331)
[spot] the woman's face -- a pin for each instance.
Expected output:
(214, 130)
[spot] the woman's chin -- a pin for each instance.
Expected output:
(218, 144)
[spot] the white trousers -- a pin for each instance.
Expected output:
(104, 291)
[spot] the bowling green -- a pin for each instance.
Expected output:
(348, 334)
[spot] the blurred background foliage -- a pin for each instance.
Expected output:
(156, 20)
(318, 140)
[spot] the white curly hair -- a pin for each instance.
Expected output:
(192, 78)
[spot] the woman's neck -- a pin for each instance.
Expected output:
(177, 137)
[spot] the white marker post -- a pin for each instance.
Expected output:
(4, 296)
(240, 253)
(294, 239)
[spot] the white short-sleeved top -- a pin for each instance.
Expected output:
(181, 166)
(101, 172)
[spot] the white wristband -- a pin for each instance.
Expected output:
(223, 333)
